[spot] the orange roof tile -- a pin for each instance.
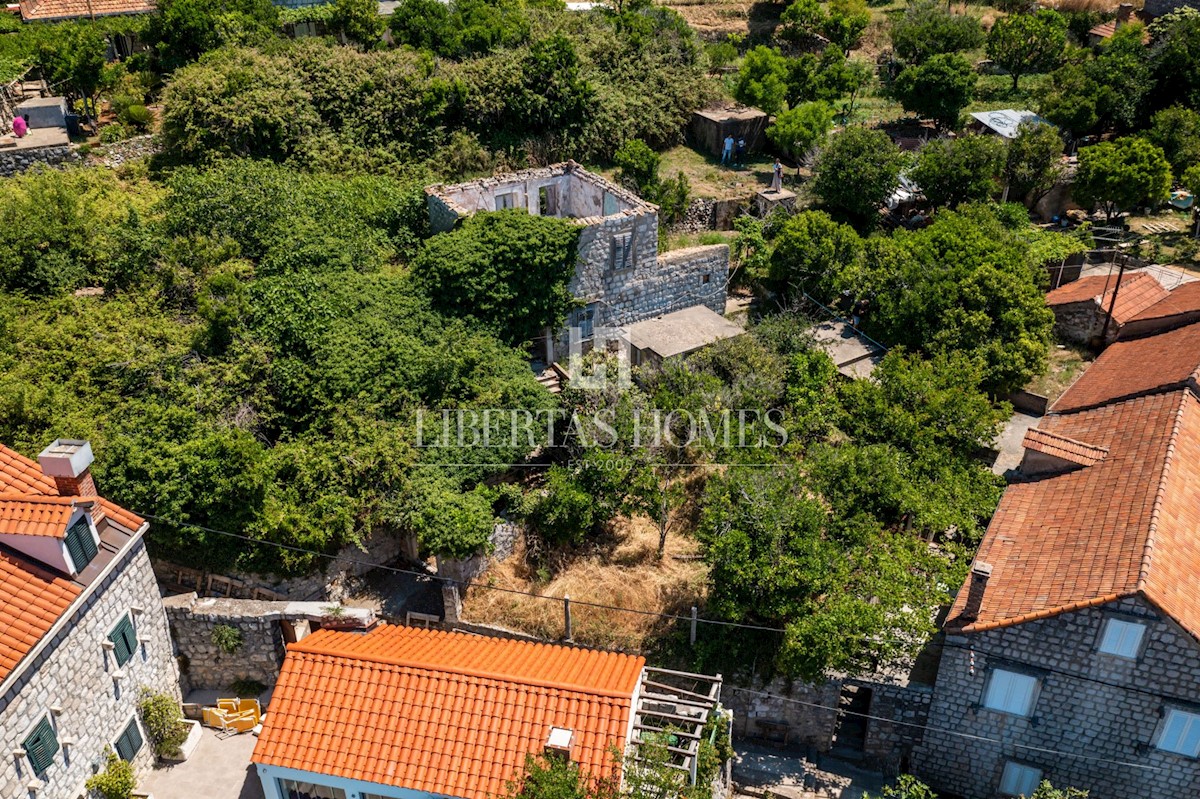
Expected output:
(1137, 291)
(19, 475)
(35, 515)
(33, 599)
(1184, 298)
(1138, 366)
(1123, 526)
(442, 712)
(71, 9)
(1067, 449)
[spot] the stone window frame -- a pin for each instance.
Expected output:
(1041, 773)
(1036, 675)
(547, 204)
(1126, 618)
(1164, 714)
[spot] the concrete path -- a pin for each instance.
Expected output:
(218, 769)
(1009, 442)
(763, 771)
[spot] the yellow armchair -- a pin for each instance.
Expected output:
(233, 715)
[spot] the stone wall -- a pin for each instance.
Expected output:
(808, 726)
(203, 666)
(76, 684)
(13, 162)
(1103, 709)
(126, 150)
(898, 714)
(1080, 322)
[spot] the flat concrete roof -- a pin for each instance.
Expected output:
(681, 332)
(34, 138)
(853, 354)
(731, 112)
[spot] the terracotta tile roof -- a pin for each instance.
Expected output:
(71, 9)
(1134, 367)
(1123, 526)
(19, 475)
(1067, 449)
(1184, 298)
(1138, 291)
(33, 599)
(443, 712)
(35, 515)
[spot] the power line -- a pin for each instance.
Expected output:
(468, 584)
(942, 731)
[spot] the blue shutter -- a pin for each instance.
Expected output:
(41, 746)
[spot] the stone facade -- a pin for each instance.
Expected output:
(1082, 322)
(15, 161)
(75, 683)
(621, 278)
(1103, 710)
(898, 714)
(768, 701)
(202, 665)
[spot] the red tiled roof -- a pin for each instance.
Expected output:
(1137, 366)
(71, 9)
(33, 599)
(1068, 449)
(19, 475)
(1138, 291)
(23, 514)
(1184, 298)
(442, 712)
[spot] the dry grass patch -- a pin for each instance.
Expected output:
(622, 571)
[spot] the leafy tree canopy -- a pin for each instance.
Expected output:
(954, 171)
(939, 89)
(1176, 131)
(182, 30)
(857, 171)
(762, 79)
(1119, 174)
(927, 29)
(1025, 43)
(797, 130)
(1033, 163)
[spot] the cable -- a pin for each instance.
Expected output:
(468, 584)
(942, 731)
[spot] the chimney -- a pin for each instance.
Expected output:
(558, 743)
(68, 462)
(1124, 13)
(980, 573)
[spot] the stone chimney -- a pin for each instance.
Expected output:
(68, 462)
(980, 573)
(1124, 13)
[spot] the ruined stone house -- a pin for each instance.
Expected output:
(1072, 653)
(1082, 308)
(83, 632)
(621, 278)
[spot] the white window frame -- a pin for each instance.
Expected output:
(1005, 680)
(1190, 721)
(1015, 779)
(1115, 638)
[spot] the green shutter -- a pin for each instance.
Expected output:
(124, 640)
(80, 544)
(130, 742)
(41, 746)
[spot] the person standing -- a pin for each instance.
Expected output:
(777, 177)
(727, 150)
(740, 153)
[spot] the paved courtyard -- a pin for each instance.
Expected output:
(218, 769)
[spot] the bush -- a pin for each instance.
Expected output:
(938, 89)
(114, 132)
(137, 116)
(798, 130)
(117, 781)
(163, 721)
(927, 29)
(857, 171)
(227, 639)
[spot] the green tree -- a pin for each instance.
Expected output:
(762, 80)
(802, 21)
(184, 29)
(1025, 43)
(927, 29)
(637, 167)
(555, 96)
(857, 171)
(447, 521)
(845, 23)
(939, 89)
(1175, 59)
(1176, 131)
(954, 171)
(797, 130)
(1121, 73)
(1120, 174)
(1070, 100)
(507, 269)
(117, 781)
(811, 252)
(557, 778)
(358, 21)
(425, 25)
(1034, 162)
(236, 103)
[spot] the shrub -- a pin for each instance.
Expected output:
(163, 721)
(117, 781)
(227, 639)
(245, 687)
(137, 116)
(114, 132)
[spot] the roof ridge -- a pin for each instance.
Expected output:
(308, 649)
(1063, 447)
(1160, 491)
(44, 499)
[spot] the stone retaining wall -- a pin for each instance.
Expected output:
(202, 665)
(13, 162)
(808, 725)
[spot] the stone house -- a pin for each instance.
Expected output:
(409, 713)
(1072, 653)
(1081, 308)
(621, 278)
(84, 629)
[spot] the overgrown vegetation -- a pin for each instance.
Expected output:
(117, 781)
(162, 719)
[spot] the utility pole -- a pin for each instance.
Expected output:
(1121, 260)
